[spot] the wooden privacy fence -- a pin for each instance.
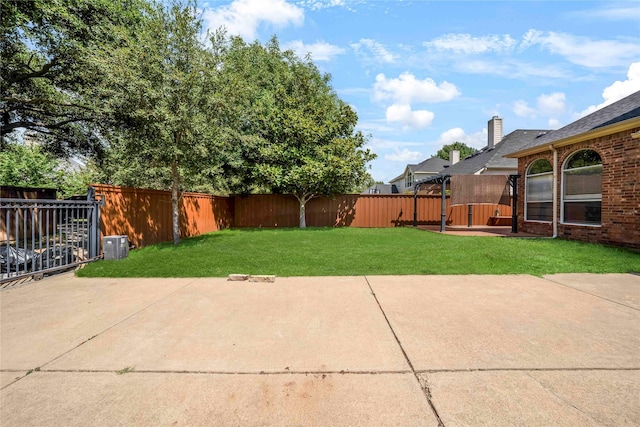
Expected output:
(145, 215)
(356, 210)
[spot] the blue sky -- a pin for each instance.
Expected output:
(421, 74)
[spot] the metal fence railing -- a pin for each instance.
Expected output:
(43, 236)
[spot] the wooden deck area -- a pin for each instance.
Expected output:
(478, 230)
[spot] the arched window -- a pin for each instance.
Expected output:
(582, 188)
(538, 192)
(409, 179)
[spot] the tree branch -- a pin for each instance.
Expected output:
(17, 78)
(10, 127)
(42, 101)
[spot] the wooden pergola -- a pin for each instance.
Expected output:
(443, 179)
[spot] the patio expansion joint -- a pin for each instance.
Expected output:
(117, 323)
(205, 372)
(592, 294)
(424, 385)
(464, 370)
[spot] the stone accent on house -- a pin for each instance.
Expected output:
(620, 225)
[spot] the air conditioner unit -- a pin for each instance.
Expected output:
(115, 247)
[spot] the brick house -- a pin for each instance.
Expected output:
(582, 182)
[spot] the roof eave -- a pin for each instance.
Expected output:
(574, 139)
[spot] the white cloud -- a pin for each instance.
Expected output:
(386, 144)
(320, 50)
(546, 105)
(318, 4)
(466, 43)
(554, 124)
(511, 68)
(402, 113)
(379, 51)
(522, 109)
(404, 156)
(582, 50)
(618, 90)
(243, 17)
(476, 140)
(630, 13)
(551, 104)
(374, 126)
(407, 89)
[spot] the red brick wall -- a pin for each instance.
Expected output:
(620, 192)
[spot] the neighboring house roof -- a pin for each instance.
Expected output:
(432, 165)
(492, 158)
(625, 109)
(398, 178)
(381, 189)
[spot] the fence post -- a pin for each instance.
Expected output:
(93, 234)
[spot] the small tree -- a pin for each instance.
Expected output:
(27, 166)
(446, 150)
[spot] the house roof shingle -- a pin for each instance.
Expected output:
(430, 165)
(493, 157)
(626, 108)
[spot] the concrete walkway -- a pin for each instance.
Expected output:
(323, 351)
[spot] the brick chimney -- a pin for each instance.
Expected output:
(494, 127)
(454, 157)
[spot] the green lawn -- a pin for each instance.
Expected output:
(360, 251)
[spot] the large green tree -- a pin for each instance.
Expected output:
(463, 148)
(55, 66)
(305, 140)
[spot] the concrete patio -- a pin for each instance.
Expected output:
(359, 351)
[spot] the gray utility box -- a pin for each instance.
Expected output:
(115, 247)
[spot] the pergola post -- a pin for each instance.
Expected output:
(443, 213)
(513, 180)
(415, 205)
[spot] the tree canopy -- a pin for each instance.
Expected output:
(464, 149)
(136, 85)
(302, 137)
(55, 66)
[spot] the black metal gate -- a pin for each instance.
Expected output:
(43, 236)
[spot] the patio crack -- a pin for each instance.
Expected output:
(424, 385)
(560, 398)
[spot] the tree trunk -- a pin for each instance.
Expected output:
(303, 204)
(175, 212)
(303, 219)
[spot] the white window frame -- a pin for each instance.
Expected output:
(594, 197)
(526, 192)
(409, 180)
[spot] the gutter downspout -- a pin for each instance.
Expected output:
(555, 191)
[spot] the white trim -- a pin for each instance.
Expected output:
(581, 224)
